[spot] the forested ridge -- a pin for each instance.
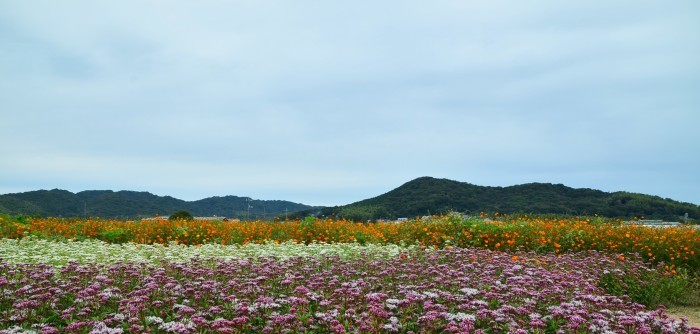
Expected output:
(422, 196)
(427, 195)
(134, 204)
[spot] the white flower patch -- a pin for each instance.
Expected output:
(392, 303)
(19, 330)
(58, 254)
(266, 306)
(431, 294)
(393, 325)
(469, 291)
(101, 328)
(110, 293)
(327, 316)
(177, 327)
(459, 316)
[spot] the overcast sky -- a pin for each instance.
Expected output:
(331, 102)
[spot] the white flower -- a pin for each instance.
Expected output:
(391, 303)
(469, 291)
(459, 316)
(176, 327)
(101, 328)
(393, 325)
(33, 250)
(430, 294)
(19, 330)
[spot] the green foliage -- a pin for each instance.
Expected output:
(308, 222)
(116, 236)
(133, 204)
(181, 215)
(422, 196)
(650, 288)
(362, 238)
(307, 229)
(426, 195)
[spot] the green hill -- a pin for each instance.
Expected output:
(133, 204)
(422, 196)
(427, 195)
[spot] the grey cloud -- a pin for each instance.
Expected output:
(335, 102)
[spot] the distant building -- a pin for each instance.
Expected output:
(654, 223)
(210, 218)
(157, 218)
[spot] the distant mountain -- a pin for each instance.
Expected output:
(133, 204)
(427, 195)
(422, 196)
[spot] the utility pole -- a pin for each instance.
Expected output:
(248, 200)
(285, 214)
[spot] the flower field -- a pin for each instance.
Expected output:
(675, 247)
(447, 275)
(59, 254)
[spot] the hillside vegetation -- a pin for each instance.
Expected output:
(419, 197)
(133, 204)
(427, 195)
